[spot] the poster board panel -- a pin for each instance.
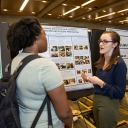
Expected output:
(123, 45)
(69, 48)
(5, 52)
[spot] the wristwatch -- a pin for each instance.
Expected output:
(103, 85)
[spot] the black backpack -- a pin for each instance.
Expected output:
(9, 110)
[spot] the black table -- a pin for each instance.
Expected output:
(79, 93)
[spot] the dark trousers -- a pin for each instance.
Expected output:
(105, 111)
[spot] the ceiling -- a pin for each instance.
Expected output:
(99, 11)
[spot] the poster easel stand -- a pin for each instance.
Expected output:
(79, 93)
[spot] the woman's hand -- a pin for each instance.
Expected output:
(96, 80)
(85, 78)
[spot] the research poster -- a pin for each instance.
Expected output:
(69, 48)
(0, 62)
(123, 44)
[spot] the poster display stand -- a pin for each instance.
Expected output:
(4, 52)
(0, 62)
(69, 48)
(123, 45)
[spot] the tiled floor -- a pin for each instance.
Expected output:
(85, 105)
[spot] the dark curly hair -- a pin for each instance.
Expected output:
(22, 34)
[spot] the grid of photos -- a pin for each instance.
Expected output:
(61, 51)
(80, 60)
(80, 47)
(85, 71)
(65, 66)
(69, 81)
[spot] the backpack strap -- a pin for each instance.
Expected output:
(8, 68)
(46, 101)
(23, 63)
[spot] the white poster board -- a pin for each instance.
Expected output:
(123, 44)
(69, 48)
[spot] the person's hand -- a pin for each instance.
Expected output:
(95, 80)
(85, 78)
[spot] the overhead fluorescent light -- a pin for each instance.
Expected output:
(90, 1)
(123, 21)
(5, 10)
(44, 1)
(123, 10)
(23, 5)
(105, 15)
(65, 4)
(71, 10)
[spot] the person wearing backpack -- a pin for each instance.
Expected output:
(38, 78)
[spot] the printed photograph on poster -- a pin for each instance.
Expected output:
(85, 71)
(80, 60)
(68, 82)
(80, 47)
(65, 66)
(61, 51)
(124, 42)
(124, 53)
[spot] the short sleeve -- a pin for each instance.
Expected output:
(49, 75)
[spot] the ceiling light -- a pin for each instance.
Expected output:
(5, 10)
(83, 17)
(122, 10)
(71, 10)
(87, 2)
(65, 4)
(90, 8)
(89, 16)
(122, 13)
(33, 12)
(49, 14)
(123, 21)
(44, 1)
(23, 5)
(105, 15)
(110, 21)
(104, 10)
(70, 16)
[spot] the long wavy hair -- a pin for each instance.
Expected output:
(116, 52)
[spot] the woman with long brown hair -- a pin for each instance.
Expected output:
(109, 82)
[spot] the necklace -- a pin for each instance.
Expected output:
(27, 51)
(105, 65)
